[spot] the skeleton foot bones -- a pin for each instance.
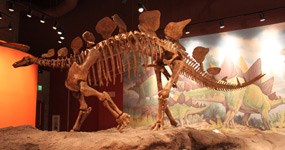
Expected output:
(100, 64)
(122, 119)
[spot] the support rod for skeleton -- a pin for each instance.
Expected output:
(164, 94)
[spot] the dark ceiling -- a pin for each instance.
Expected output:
(42, 4)
(84, 16)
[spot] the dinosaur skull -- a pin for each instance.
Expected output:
(25, 61)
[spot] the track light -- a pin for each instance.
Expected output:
(11, 7)
(222, 24)
(261, 17)
(59, 41)
(141, 7)
(55, 25)
(43, 19)
(59, 31)
(29, 14)
(187, 31)
(1, 16)
(10, 27)
(62, 37)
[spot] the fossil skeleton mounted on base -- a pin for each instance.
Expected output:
(101, 63)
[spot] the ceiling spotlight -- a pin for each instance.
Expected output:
(59, 41)
(43, 19)
(55, 25)
(222, 24)
(29, 14)
(62, 37)
(1, 16)
(261, 17)
(11, 7)
(10, 27)
(59, 31)
(141, 7)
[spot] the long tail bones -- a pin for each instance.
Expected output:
(100, 64)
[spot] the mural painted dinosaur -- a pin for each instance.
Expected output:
(247, 100)
(103, 62)
(182, 109)
(255, 98)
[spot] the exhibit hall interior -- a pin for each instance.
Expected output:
(142, 74)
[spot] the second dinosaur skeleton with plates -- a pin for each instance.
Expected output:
(101, 63)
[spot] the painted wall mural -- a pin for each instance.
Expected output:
(241, 54)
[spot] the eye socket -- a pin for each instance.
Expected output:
(27, 58)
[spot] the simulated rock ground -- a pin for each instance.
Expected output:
(27, 137)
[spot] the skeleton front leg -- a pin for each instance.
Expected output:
(84, 111)
(121, 118)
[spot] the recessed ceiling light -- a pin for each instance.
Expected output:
(11, 7)
(222, 24)
(42, 20)
(55, 25)
(29, 14)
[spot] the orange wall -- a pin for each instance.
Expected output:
(18, 90)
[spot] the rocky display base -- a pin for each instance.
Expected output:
(27, 137)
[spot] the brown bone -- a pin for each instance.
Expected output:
(149, 22)
(62, 52)
(224, 79)
(120, 23)
(49, 54)
(124, 47)
(174, 30)
(214, 70)
(76, 44)
(105, 27)
(89, 38)
(199, 53)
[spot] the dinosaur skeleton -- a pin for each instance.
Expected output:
(101, 63)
